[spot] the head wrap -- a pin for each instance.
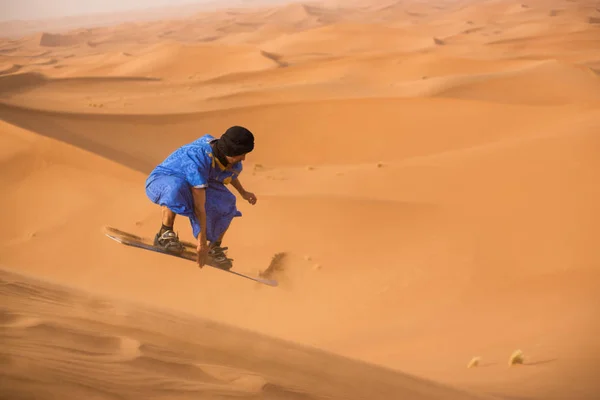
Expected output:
(235, 141)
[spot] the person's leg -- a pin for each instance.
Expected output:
(219, 239)
(174, 197)
(168, 219)
(220, 209)
(166, 236)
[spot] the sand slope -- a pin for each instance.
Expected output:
(430, 169)
(103, 348)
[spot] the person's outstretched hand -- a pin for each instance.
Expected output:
(250, 197)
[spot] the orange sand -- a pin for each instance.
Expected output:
(431, 169)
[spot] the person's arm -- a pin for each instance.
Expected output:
(235, 182)
(199, 195)
(248, 196)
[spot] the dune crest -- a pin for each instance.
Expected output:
(201, 61)
(549, 83)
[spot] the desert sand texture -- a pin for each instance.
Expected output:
(430, 169)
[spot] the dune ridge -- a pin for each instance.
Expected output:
(430, 170)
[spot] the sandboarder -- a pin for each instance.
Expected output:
(191, 182)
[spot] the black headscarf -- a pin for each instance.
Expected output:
(235, 141)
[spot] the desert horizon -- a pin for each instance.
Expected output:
(429, 169)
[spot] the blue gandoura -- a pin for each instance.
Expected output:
(191, 182)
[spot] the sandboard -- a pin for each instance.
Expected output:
(189, 252)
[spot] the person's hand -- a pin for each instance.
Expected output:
(202, 250)
(249, 197)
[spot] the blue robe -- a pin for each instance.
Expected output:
(195, 165)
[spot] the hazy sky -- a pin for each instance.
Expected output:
(37, 9)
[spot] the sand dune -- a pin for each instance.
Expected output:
(102, 348)
(425, 119)
(163, 61)
(429, 168)
(60, 174)
(547, 83)
(329, 40)
(296, 16)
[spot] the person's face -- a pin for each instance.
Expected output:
(235, 159)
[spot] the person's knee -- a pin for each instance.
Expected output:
(152, 191)
(171, 192)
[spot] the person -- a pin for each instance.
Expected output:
(192, 181)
